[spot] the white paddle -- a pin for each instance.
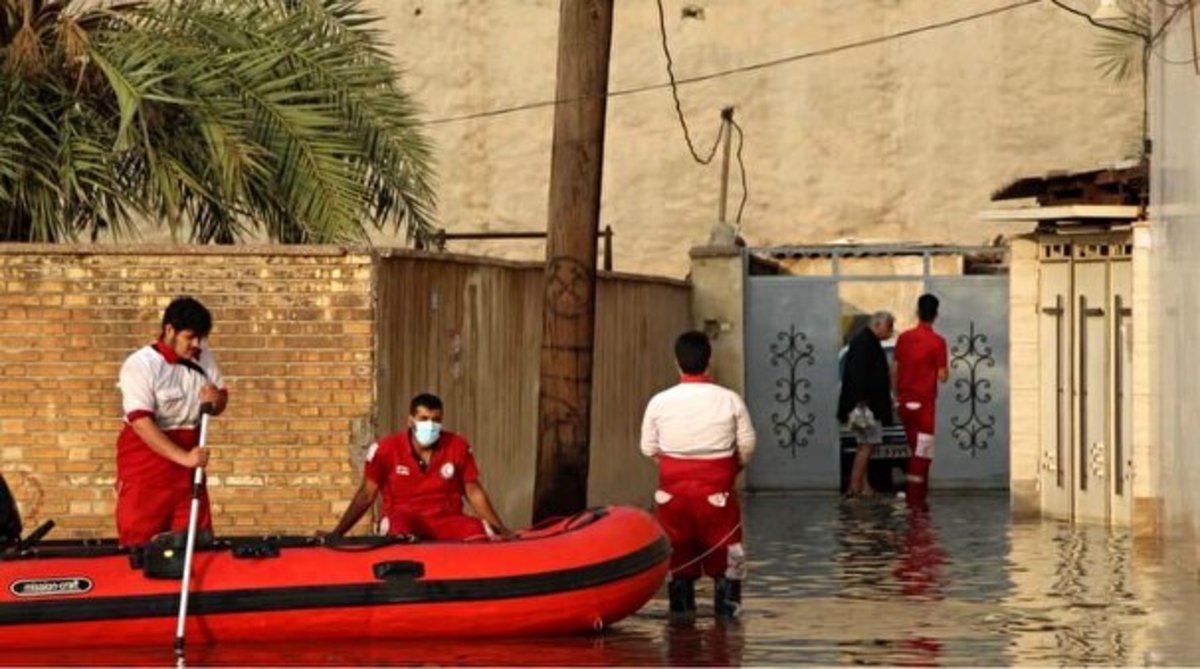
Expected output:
(190, 548)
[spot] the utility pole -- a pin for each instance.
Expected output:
(569, 302)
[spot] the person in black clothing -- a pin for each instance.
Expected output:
(10, 518)
(865, 404)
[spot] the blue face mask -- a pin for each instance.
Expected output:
(427, 432)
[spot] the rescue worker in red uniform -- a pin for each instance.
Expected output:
(701, 436)
(424, 472)
(921, 363)
(163, 387)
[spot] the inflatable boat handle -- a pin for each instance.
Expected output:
(397, 569)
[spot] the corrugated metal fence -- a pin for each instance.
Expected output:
(469, 330)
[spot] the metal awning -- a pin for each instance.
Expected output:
(869, 250)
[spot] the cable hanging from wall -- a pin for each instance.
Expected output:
(725, 131)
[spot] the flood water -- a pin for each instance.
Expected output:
(837, 582)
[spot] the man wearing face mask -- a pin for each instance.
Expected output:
(163, 387)
(424, 472)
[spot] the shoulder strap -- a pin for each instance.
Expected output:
(191, 364)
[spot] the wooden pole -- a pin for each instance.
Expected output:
(569, 303)
(726, 117)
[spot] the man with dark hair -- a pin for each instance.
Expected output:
(164, 388)
(921, 363)
(424, 472)
(865, 402)
(701, 436)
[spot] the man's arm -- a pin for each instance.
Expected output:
(744, 428)
(650, 442)
(858, 382)
(160, 443)
(363, 499)
(482, 504)
(217, 397)
(943, 364)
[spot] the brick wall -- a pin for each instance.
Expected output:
(293, 334)
(322, 348)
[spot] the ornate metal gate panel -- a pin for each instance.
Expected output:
(973, 420)
(791, 381)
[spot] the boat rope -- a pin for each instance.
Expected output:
(720, 544)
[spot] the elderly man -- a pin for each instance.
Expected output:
(865, 404)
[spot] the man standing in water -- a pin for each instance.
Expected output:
(701, 436)
(865, 402)
(921, 363)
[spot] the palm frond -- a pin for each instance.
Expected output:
(230, 117)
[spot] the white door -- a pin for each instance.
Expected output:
(1120, 469)
(1054, 341)
(1091, 465)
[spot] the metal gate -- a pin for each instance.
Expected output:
(792, 380)
(973, 421)
(792, 374)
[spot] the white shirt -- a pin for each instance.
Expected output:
(151, 384)
(702, 421)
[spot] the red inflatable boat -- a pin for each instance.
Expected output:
(578, 574)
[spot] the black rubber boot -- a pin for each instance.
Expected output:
(727, 598)
(682, 594)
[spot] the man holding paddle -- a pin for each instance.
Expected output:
(165, 387)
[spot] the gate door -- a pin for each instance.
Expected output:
(972, 448)
(792, 346)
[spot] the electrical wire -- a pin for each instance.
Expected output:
(742, 170)
(528, 106)
(727, 121)
(687, 135)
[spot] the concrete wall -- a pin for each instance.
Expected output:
(900, 140)
(1024, 372)
(1175, 247)
(718, 307)
(1148, 489)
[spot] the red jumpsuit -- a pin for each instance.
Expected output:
(699, 432)
(920, 355)
(425, 501)
(154, 494)
(698, 507)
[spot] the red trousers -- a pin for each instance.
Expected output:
(145, 509)
(919, 419)
(433, 526)
(699, 510)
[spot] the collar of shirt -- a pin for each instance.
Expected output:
(695, 378)
(166, 351)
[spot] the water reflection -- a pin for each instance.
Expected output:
(852, 583)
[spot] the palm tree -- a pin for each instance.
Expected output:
(219, 118)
